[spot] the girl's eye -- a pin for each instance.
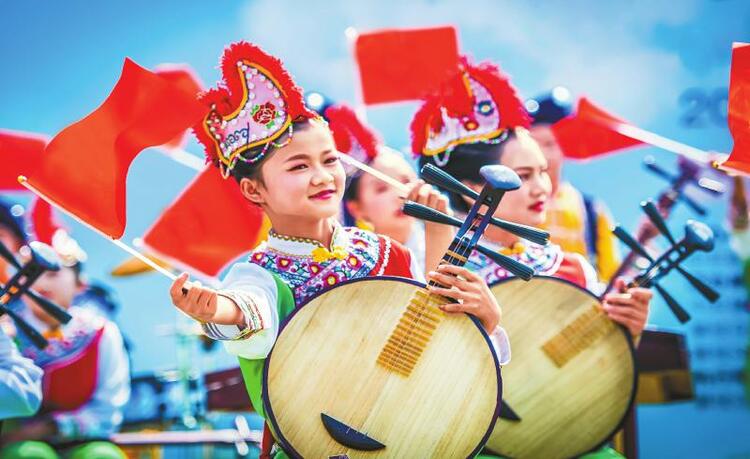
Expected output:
(298, 167)
(524, 176)
(381, 189)
(332, 160)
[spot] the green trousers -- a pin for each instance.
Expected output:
(41, 450)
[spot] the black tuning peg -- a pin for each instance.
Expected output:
(630, 241)
(513, 266)
(429, 214)
(8, 256)
(60, 314)
(679, 312)
(529, 233)
(42, 258)
(689, 174)
(653, 214)
(709, 293)
(652, 166)
(690, 202)
(35, 337)
(436, 176)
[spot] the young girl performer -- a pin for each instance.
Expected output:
(369, 202)
(258, 130)
(463, 130)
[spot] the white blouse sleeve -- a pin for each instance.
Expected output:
(253, 290)
(20, 382)
(501, 344)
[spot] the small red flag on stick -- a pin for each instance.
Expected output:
(590, 133)
(213, 210)
(84, 168)
(405, 64)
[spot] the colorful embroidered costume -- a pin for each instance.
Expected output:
(284, 272)
(86, 374)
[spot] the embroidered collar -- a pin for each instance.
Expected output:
(304, 247)
(306, 276)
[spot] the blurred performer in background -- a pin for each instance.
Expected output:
(739, 224)
(370, 203)
(20, 379)
(577, 222)
(86, 370)
(480, 123)
(20, 382)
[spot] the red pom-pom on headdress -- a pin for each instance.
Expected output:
(255, 103)
(478, 104)
(351, 135)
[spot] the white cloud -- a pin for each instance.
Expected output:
(601, 49)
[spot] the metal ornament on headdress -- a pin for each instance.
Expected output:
(478, 104)
(252, 107)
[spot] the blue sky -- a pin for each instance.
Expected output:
(636, 58)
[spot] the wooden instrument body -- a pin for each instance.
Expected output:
(570, 409)
(325, 360)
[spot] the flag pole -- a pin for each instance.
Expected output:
(402, 187)
(25, 183)
(673, 146)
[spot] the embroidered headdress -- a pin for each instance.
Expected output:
(477, 104)
(255, 103)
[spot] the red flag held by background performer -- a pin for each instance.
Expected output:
(739, 109)
(387, 60)
(84, 167)
(20, 152)
(173, 235)
(590, 132)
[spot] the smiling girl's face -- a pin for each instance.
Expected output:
(302, 181)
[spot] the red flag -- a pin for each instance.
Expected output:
(207, 226)
(84, 167)
(405, 64)
(19, 154)
(590, 132)
(184, 78)
(739, 109)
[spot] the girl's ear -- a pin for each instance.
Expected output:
(354, 209)
(251, 191)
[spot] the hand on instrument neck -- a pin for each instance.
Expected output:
(470, 291)
(629, 306)
(437, 237)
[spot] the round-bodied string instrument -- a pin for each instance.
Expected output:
(573, 376)
(373, 367)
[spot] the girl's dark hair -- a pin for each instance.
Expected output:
(464, 164)
(351, 193)
(252, 171)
